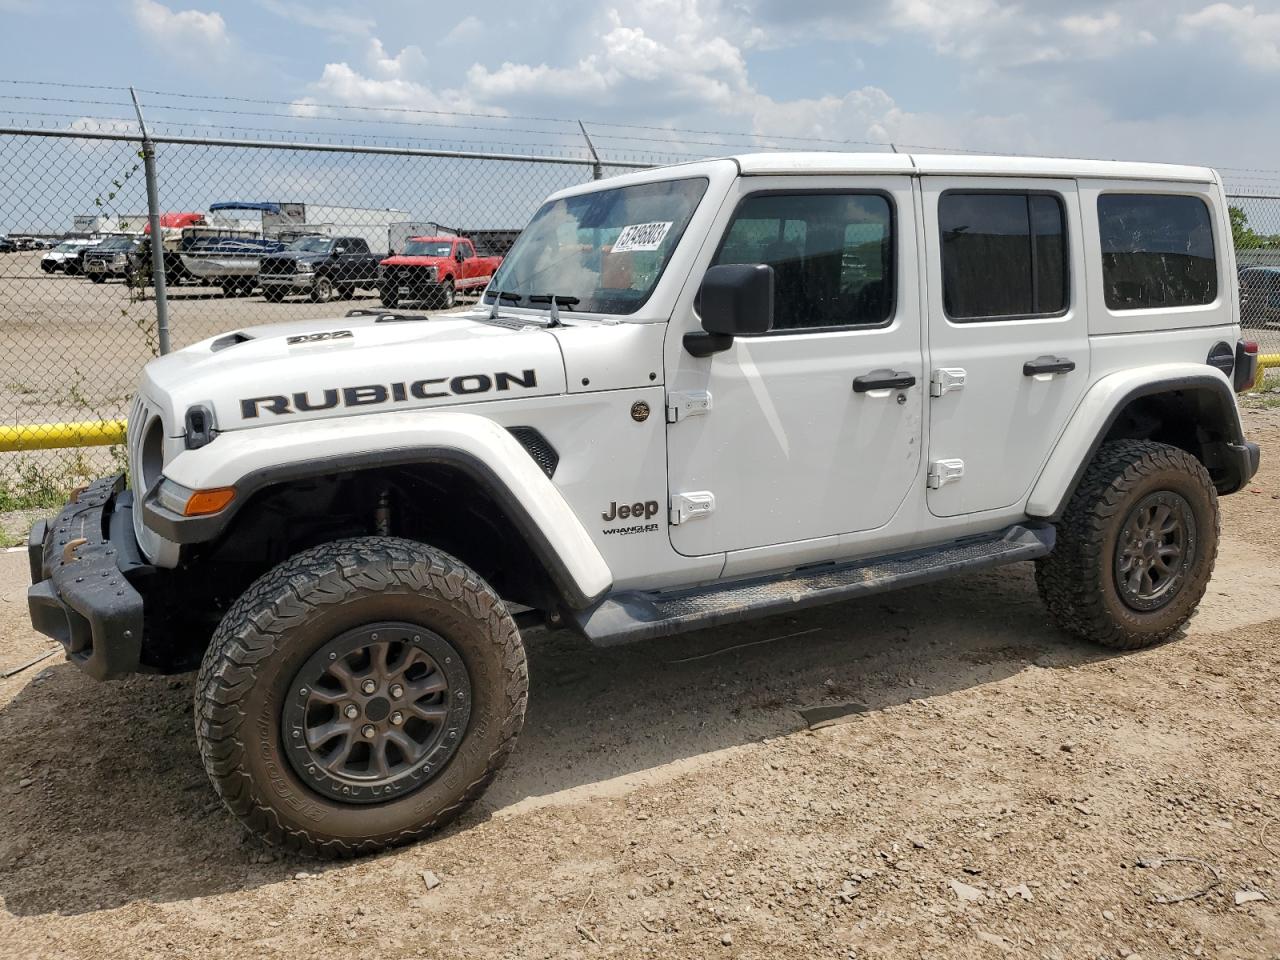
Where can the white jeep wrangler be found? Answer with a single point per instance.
(690, 396)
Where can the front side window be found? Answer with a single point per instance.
(1157, 251)
(600, 252)
(1004, 255)
(832, 256)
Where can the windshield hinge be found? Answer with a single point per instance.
(681, 406)
(942, 472)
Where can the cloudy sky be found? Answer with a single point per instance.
(1181, 80)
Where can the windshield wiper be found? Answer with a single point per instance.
(498, 297)
(555, 300)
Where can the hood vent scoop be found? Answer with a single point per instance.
(382, 316)
(230, 340)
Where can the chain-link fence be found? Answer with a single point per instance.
(80, 309)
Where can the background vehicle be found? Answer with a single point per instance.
(7, 245)
(435, 270)
(1259, 297)
(323, 268)
(114, 257)
(66, 255)
(691, 396)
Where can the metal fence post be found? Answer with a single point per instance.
(158, 279)
(597, 172)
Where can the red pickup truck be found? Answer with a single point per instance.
(434, 270)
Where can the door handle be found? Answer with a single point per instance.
(1042, 365)
(883, 380)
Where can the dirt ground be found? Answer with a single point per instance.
(992, 789)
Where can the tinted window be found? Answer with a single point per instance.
(357, 245)
(1003, 255)
(1157, 251)
(467, 250)
(832, 256)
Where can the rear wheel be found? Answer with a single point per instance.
(359, 696)
(1136, 546)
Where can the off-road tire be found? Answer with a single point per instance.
(293, 610)
(1077, 582)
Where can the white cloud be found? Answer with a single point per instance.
(408, 62)
(181, 30)
(332, 20)
(1255, 35)
(466, 29)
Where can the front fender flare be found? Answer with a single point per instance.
(256, 458)
(1098, 411)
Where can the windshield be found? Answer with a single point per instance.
(605, 250)
(311, 245)
(67, 246)
(428, 248)
(116, 243)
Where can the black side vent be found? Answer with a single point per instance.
(230, 340)
(543, 453)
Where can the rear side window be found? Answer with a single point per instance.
(1157, 251)
(832, 256)
(1004, 255)
(357, 245)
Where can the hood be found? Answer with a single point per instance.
(310, 369)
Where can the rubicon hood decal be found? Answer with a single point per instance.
(372, 394)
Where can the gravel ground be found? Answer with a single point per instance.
(988, 788)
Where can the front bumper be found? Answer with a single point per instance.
(291, 281)
(80, 590)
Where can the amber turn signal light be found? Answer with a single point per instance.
(204, 502)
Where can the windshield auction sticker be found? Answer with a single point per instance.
(641, 236)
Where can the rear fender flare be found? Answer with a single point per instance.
(1098, 411)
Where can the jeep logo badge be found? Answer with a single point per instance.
(639, 411)
(629, 511)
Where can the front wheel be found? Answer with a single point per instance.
(446, 297)
(323, 290)
(1136, 546)
(359, 696)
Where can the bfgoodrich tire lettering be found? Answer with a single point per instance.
(295, 609)
(1079, 581)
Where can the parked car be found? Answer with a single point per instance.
(323, 268)
(7, 245)
(66, 256)
(114, 257)
(693, 396)
(434, 270)
(1259, 296)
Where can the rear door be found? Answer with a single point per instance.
(1008, 334)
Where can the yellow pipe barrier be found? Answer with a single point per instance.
(1266, 361)
(53, 436)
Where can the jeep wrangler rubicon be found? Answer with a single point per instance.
(689, 396)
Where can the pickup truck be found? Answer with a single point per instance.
(324, 268)
(434, 270)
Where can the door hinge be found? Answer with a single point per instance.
(681, 406)
(691, 506)
(946, 379)
(942, 472)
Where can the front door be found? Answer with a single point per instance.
(1008, 335)
(814, 429)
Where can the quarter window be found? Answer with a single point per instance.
(1004, 255)
(1157, 251)
(832, 256)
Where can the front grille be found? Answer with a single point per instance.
(278, 265)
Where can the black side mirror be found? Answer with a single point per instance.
(338, 250)
(734, 300)
(460, 255)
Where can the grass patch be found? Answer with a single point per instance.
(34, 484)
